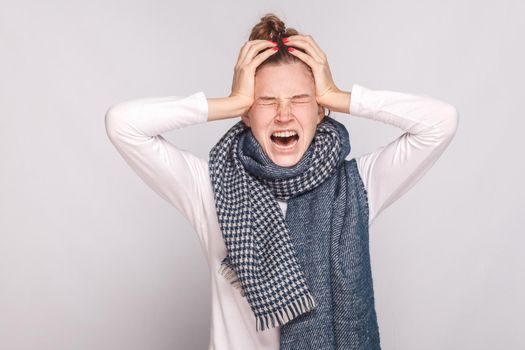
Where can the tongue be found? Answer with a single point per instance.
(284, 141)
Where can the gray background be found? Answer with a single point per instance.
(91, 258)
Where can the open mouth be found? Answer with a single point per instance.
(285, 139)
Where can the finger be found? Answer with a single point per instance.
(306, 46)
(241, 58)
(316, 46)
(261, 57)
(306, 58)
(259, 48)
(242, 53)
(252, 48)
(307, 43)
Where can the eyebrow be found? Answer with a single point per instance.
(271, 98)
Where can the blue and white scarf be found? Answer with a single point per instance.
(261, 259)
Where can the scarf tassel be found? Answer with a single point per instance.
(227, 272)
(280, 317)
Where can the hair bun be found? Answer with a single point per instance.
(271, 27)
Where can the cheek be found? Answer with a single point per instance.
(259, 122)
(308, 117)
(259, 132)
(310, 128)
(307, 113)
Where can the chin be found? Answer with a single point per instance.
(285, 161)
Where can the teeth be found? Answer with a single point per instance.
(286, 133)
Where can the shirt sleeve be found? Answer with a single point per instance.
(391, 170)
(134, 128)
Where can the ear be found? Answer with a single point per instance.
(320, 114)
(246, 118)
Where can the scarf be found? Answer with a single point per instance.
(288, 268)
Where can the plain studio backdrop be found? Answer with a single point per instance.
(91, 258)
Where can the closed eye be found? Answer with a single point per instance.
(264, 102)
(301, 99)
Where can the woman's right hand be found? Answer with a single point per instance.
(251, 55)
(243, 85)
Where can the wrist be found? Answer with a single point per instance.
(342, 102)
(337, 101)
(239, 103)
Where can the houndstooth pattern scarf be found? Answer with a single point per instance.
(261, 261)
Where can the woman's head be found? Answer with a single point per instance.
(284, 99)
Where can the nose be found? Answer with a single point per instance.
(284, 112)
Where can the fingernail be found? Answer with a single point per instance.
(275, 48)
(291, 49)
(285, 40)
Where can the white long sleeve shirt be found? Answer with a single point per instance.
(181, 178)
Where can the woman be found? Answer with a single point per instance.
(282, 216)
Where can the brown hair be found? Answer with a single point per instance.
(273, 28)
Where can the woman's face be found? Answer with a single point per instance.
(285, 113)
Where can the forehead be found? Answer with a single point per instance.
(283, 80)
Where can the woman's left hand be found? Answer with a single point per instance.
(327, 93)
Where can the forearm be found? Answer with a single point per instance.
(135, 121)
(419, 115)
(225, 107)
(339, 102)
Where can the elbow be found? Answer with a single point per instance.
(114, 120)
(110, 122)
(449, 120)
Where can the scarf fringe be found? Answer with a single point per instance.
(281, 317)
(230, 275)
